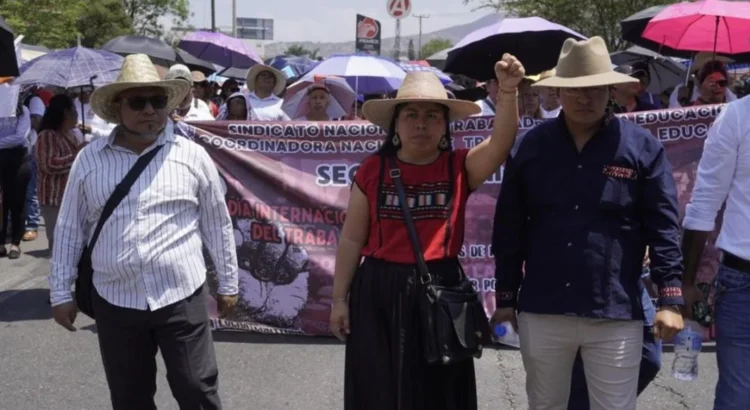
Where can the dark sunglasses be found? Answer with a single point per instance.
(158, 102)
(234, 90)
(722, 83)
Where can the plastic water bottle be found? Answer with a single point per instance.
(687, 347)
(505, 334)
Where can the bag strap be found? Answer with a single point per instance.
(415, 244)
(121, 191)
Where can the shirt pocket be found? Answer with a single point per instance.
(619, 197)
(731, 280)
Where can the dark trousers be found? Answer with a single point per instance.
(15, 172)
(129, 340)
(650, 361)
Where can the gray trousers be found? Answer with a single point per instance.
(49, 213)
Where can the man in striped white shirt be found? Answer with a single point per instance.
(149, 272)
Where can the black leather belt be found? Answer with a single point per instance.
(735, 262)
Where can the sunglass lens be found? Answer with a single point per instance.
(137, 103)
(721, 83)
(159, 102)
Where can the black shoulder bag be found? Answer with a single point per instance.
(85, 279)
(454, 326)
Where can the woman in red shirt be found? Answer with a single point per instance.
(375, 303)
(56, 149)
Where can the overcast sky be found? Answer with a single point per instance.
(332, 20)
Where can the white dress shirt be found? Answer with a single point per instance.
(724, 174)
(149, 253)
(268, 109)
(199, 111)
(99, 127)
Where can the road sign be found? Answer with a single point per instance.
(399, 9)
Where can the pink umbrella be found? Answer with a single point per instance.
(707, 25)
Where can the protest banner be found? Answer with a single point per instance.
(287, 191)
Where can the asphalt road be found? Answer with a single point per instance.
(45, 367)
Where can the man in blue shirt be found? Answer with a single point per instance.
(581, 199)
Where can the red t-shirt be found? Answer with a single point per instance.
(440, 227)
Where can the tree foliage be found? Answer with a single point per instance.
(296, 50)
(594, 18)
(146, 14)
(44, 22)
(412, 55)
(101, 21)
(434, 46)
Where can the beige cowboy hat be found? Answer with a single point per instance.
(418, 87)
(253, 72)
(137, 72)
(584, 63)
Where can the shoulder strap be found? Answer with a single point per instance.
(415, 244)
(121, 191)
(490, 104)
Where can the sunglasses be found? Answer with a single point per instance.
(158, 102)
(234, 90)
(722, 83)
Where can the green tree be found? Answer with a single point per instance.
(412, 55)
(45, 23)
(103, 20)
(595, 18)
(296, 50)
(434, 46)
(145, 15)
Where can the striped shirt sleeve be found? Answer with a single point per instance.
(216, 226)
(70, 236)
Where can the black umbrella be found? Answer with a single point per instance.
(8, 59)
(159, 51)
(664, 72)
(194, 63)
(535, 41)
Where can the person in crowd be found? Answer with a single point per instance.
(580, 199)
(191, 108)
(33, 216)
(724, 178)
(374, 306)
(264, 85)
(236, 108)
(642, 72)
(712, 81)
(203, 91)
(626, 97)
(90, 126)
(685, 94)
(15, 173)
(228, 88)
(56, 149)
(650, 354)
(318, 101)
(549, 97)
(153, 298)
(487, 104)
(528, 96)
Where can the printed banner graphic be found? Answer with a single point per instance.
(287, 191)
(368, 35)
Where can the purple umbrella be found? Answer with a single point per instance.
(72, 67)
(219, 49)
(535, 41)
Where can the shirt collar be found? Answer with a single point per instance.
(609, 124)
(271, 97)
(166, 136)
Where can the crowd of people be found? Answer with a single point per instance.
(590, 336)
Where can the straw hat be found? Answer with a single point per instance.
(137, 72)
(179, 72)
(584, 63)
(198, 77)
(418, 87)
(252, 74)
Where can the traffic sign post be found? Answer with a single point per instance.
(399, 9)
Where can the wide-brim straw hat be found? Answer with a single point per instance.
(253, 72)
(137, 72)
(584, 63)
(418, 87)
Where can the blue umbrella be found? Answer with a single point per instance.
(72, 67)
(366, 74)
(409, 67)
(292, 66)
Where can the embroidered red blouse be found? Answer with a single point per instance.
(439, 219)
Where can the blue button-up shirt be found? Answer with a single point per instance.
(578, 223)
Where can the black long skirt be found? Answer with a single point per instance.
(385, 367)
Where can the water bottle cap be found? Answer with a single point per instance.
(500, 330)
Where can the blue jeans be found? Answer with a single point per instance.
(732, 308)
(33, 216)
(650, 361)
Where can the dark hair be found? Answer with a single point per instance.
(713, 66)
(389, 149)
(54, 116)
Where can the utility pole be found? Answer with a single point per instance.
(420, 17)
(234, 18)
(213, 15)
